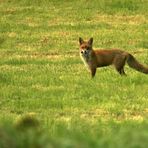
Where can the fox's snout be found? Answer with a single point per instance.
(83, 52)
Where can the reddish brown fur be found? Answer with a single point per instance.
(101, 58)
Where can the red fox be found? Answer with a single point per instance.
(100, 58)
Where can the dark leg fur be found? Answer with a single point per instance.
(121, 72)
(93, 72)
(119, 63)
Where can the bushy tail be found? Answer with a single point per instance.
(133, 63)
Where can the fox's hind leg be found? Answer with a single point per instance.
(119, 64)
(121, 70)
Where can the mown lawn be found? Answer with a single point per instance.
(42, 75)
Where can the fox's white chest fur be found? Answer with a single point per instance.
(86, 58)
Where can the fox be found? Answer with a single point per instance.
(94, 59)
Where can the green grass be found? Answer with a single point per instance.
(41, 72)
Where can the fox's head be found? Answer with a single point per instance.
(85, 47)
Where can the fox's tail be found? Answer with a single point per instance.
(133, 63)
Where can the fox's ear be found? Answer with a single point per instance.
(81, 41)
(90, 42)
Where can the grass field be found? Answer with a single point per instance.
(41, 73)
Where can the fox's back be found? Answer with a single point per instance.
(106, 57)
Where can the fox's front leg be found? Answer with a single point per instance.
(93, 72)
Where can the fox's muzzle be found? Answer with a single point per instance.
(83, 52)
